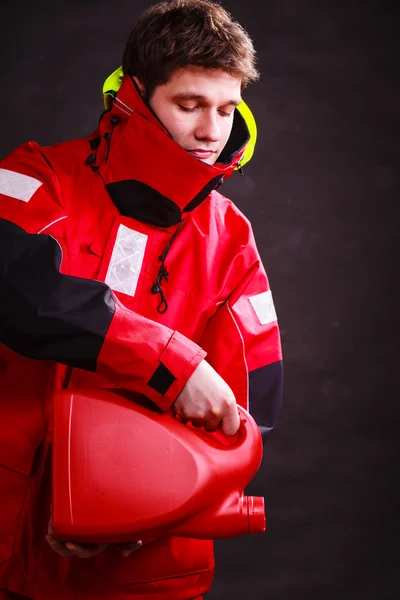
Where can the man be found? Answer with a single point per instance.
(120, 264)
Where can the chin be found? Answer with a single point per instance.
(207, 161)
(210, 161)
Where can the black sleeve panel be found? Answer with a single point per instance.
(43, 313)
(265, 396)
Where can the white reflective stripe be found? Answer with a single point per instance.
(126, 260)
(127, 112)
(123, 110)
(16, 185)
(118, 100)
(52, 223)
(264, 308)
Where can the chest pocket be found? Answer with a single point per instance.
(87, 262)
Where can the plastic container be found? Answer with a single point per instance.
(123, 471)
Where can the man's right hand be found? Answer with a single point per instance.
(207, 400)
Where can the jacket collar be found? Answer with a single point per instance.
(147, 174)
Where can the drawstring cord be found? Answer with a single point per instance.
(163, 274)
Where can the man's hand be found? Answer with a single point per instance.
(207, 400)
(128, 548)
(67, 549)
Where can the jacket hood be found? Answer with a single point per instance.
(147, 174)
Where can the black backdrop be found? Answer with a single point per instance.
(320, 193)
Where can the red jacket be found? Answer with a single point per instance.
(120, 264)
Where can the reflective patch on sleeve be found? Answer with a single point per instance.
(264, 307)
(16, 185)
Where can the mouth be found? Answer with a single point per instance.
(202, 154)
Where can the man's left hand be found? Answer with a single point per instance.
(68, 549)
(127, 549)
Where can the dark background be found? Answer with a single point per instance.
(320, 192)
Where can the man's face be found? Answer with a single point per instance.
(196, 106)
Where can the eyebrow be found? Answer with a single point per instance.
(201, 98)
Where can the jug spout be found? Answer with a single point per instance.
(256, 513)
(237, 515)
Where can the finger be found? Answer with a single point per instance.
(84, 550)
(178, 417)
(231, 421)
(58, 547)
(212, 424)
(197, 422)
(127, 549)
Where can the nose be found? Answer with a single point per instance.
(208, 128)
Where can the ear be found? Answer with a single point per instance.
(140, 85)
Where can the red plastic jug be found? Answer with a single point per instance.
(123, 470)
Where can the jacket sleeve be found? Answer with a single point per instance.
(47, 315)
(243, 345)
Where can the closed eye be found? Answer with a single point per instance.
(186, 109)
(190, 110)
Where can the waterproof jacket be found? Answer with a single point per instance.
(120, 265)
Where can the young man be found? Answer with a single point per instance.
(120, 264)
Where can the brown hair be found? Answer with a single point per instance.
(175, 34)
